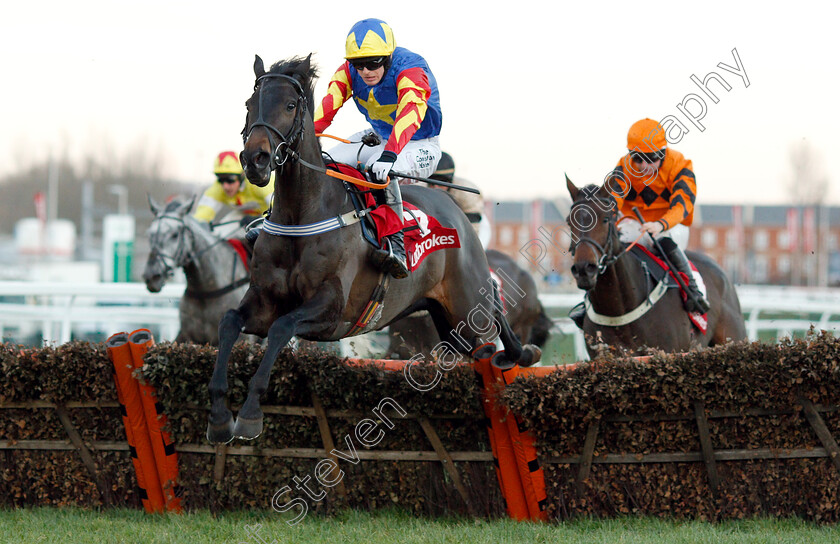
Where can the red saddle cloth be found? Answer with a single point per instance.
(240, 249)
(423, 233)
(700, 320)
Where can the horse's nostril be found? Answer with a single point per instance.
(261, 159)
(584, 269)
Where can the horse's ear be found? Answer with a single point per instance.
(154, 206)
(305, 65)
(573, 190)
(259, 68)
(184, 207)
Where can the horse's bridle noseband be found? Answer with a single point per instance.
(608, 255)
(283, 150)
(181, 256)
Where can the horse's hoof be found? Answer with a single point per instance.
(531, 355)
(484, 351)
(248, 429)
(501, 361)
(220, 434)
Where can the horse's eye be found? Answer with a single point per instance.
(606, 220)
(290, 106)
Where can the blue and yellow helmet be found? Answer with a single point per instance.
(370, 38)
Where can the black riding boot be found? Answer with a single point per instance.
(577, 314)
(392, 259)
(695, 302)
(251, 235)
(396, 263)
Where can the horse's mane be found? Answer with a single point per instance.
(302, 70)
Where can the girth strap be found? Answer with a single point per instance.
(191, 293)
(327, 225)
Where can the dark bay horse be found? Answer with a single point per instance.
(416, 334)
(217, 277)
(317, 285)
(617, 284)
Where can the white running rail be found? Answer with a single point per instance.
(59, 311)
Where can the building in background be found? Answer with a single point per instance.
(771, 245)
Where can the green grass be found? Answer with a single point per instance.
(50, 525)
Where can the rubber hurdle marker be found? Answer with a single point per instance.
(507, 470)
(166, 459)
(137, 434)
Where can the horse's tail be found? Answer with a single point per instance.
(541, 329)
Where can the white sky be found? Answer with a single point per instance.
(529, 89)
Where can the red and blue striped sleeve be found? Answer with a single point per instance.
(413, 91)
(339, 91)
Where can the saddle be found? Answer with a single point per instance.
(657, 268)
(423, 233)
(245, 251)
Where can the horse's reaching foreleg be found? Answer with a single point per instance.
(220, 424)
(314, 316)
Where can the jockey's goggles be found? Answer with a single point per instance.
(228, 179)
(369, 63)
(649, 158)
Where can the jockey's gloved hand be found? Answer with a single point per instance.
(383, 166)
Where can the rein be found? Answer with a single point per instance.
(607, 259)
(286, 149)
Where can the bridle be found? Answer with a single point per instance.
(286, 149)
(608, 254)
(182, 257)
(288, 142)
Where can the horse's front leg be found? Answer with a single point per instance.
(220, 424)
(317, 315)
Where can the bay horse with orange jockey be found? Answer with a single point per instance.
(626, 307)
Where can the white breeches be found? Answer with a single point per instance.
(629, 229)
(418, 158)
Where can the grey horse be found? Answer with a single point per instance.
(217, 277)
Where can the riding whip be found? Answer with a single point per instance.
(437, 182)
(664, 255)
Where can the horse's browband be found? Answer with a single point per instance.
(295, 82)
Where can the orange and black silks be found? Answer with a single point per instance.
(667, 196)
(507, 470)
(137, 434)
(163, 447)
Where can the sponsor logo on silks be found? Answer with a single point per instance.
(438, 238)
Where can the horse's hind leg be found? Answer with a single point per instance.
(515, 352)
(459, 336)
(220, 424)
(312, 317)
